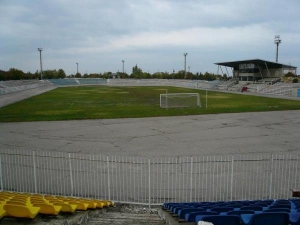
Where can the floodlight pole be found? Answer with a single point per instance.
(123, 65)
(277, 41)
(185, 54)
(77, 68)
(40, 50)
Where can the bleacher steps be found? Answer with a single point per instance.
(118, 218)
(127, 214)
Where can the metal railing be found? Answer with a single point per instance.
(150, 181)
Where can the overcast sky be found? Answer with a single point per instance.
(154, 34)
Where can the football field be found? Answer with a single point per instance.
(103, 102)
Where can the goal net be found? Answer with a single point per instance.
(179, 100)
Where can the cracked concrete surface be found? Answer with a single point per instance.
(264, 132)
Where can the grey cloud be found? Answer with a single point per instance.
(108, 31)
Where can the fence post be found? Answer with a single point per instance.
(271, 178)
(108, 177)
(1, 177)
(71, 175)
(149, 180)
(34, 172)
(231, 182)
(191, 181)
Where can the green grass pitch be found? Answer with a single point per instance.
(102, 102)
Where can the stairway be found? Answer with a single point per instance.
(125, 215)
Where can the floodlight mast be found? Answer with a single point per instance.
(40, 50)
(123, 66)
(277, 41)
(77, 68)
(185, 54)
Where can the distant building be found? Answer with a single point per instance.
(253, 70)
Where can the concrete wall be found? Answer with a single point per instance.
(296, 92)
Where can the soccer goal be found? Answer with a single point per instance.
(179, 100)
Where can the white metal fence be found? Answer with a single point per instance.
(150, 181)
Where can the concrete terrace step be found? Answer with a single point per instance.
(119, 218)
(125, 214)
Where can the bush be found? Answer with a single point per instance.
(295, 80)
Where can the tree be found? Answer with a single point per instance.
(49, 74)
(78, 75)
(15, 74)
(136, 72)
(61, 74)
(2, 74)
(123, 75)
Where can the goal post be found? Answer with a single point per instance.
(180, 100)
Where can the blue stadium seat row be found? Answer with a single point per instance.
(259, 212)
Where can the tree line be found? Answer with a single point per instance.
(137, 73)
(16, 74)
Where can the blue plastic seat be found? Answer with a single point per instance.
(278, 210)
(172, 206)
(191, 217)
(276, 206)
(240, 212)
(269, 202)
(184, 211)
(222, 209)
(294, 218)
(285, 201)
(176, 209)
(246, 203)
(268, 218)
(254, 208)
(167, 205)
(223, 219)
(262, 204)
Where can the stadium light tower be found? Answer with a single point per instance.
(77, 68)
(40, 50)
(185, 54)
(277, 41)
(123, 66)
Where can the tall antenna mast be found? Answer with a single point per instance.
(277, 41)
(40, 50)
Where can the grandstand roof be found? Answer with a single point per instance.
(261, 62)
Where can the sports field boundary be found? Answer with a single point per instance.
(151, 181)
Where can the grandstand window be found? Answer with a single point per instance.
(249, 70)
(243, 78)
(247, 66)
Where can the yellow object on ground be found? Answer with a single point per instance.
(80, 205)
(67, 208)
(2, 211)
(21, 211)
(48, 209)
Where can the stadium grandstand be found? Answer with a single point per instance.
(11, 86)
(256, 75)
(257, 70)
